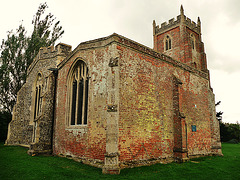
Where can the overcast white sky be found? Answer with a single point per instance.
(85, 20)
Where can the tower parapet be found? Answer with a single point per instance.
(51, 52)
(181, 39)
(172, 23)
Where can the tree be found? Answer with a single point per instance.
(220, 113)
(45, 33)
(19, 50)
(229, 132)
(13, 67)
(5, 119)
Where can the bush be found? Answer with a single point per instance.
(233, 141)
(5, 119)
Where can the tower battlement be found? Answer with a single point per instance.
(181, 19)
(180, 38)
(50, 52)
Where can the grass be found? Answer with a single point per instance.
(16, 164)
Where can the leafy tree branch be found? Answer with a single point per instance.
(19, 50)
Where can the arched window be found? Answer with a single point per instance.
(78, 94)
(168, 43)
(37, 104)
(38, 96)
(192, 40)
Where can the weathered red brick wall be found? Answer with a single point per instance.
(195, 106)
(146, 124)
(144, 128)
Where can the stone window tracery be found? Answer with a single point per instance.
(78, 94)
(168, 43)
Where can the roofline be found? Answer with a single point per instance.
(121, 40)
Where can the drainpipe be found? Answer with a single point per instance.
(55, 73)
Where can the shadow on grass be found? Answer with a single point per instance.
(15, 163)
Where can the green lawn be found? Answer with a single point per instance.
(16, 164)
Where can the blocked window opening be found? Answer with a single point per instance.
(192, 40)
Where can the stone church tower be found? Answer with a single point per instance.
(114, 103)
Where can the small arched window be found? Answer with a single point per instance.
(192, 41)
(168, 43)
(38, 96)
(78, 91)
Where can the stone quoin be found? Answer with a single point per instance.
(114, 103)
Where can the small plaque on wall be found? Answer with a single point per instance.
(194, 128)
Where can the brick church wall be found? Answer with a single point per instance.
(146, 123)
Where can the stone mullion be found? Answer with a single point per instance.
(84, 94)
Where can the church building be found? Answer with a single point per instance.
(114, 103)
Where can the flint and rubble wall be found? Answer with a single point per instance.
(22, 125)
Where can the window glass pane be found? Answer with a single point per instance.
(74, 95)
(79, 95)
(86, 102)
(35, 107)
(38, 106)
(80, 102)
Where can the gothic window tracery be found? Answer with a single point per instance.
(79, 95)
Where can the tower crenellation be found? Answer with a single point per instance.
(165, 26)
(180, 39)
(48, 52)
(61, 50)
(176, 22)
